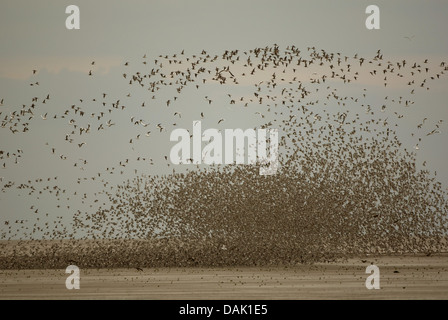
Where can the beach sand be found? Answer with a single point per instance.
(401, 277)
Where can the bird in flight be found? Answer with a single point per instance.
(410, 38)
(433, 132)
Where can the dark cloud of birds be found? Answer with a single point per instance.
(346, 185)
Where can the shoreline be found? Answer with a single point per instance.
(401, 277)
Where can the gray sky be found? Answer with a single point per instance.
(33, 36)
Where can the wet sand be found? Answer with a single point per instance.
(401, 277)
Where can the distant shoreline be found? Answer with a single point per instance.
(163, 253)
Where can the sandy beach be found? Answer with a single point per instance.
(401, 277)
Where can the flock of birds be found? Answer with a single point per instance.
(345, 185)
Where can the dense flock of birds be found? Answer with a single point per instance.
(345, 185)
